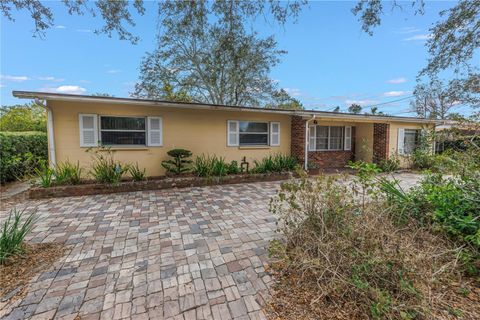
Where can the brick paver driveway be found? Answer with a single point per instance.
(195, 253)
(192, 253)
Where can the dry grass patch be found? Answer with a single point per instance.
(341, 261)
(17, 270)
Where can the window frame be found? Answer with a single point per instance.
(417, 133)
(342, 145)
(256, 144)
(145, 118)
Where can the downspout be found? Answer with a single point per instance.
(307, 140)
(50, 133)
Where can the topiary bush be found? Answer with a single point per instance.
(21, 153)
(179, 164)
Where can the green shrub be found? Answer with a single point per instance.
(390, 164)
(45, 174)
(275, 163)
(233, 167)
(136, 173)
(104, 168)
(21, 153)
(13, 234)
(68, 173)
(208, 166)
(179, 164)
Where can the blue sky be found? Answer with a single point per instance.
(330, 61)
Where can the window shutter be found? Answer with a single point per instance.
(312, 145)
(401, 141)
(274, 133)
(88, 124)
(348, 138)
(154, 132)
(232, 133)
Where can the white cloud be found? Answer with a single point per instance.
(360, 102)
(395, 93)
(14, 78)
(113, 71)
(406, 30)
(294, 92)
(49, 78)
(70, 89)
(418, 37)
(83, 30)
(397, 80)
(60, 27)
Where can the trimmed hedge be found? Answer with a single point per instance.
(21, 153)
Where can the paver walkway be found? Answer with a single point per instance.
(191, 253)
(194, 253)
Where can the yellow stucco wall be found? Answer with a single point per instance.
(200, 131)
(394, 126)
(364, 141)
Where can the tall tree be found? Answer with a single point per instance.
(28, 117)
(433, 101)
(282, 100)
(453, 43)
(355, 108)
(205, 51)
(119, 16)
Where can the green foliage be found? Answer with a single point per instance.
(282, 100)
(45, 174)
(180, 163)
(68, 173)
(104, 167)
(13, 234)
(233, 168)
(448, 204)
(21, 153)
(390, 164)
(274, 163)
(364, 183)
(29, 117)
(136, 173)
(208, 166)
(355, 108)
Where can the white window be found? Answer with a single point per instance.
(155, 136)
(274, 133)
(253, 133)
(123, 131)
(324, 138)
(411, 138)
(88, 130)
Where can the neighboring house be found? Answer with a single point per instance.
(142, 131)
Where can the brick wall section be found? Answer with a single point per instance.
(298, 139)
(381, 141)
(320, 159)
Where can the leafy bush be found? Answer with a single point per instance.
(179, 164)
(21, 153)
(390, 164)
(46, 175)
(13, 234)
(331, 255)
(275, 163)
(23, 118)
(136, 173)
(68, 173)
(208, 166)
(104, 168)
(233, 168)
(364, 183)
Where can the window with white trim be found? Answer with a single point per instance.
(116, 130)
(410, 140)
(252, 133)
(323, 138)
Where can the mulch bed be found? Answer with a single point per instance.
(16, 273)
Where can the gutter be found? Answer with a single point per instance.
(50, 134)
(307, 140)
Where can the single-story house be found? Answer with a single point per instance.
(142, 131)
